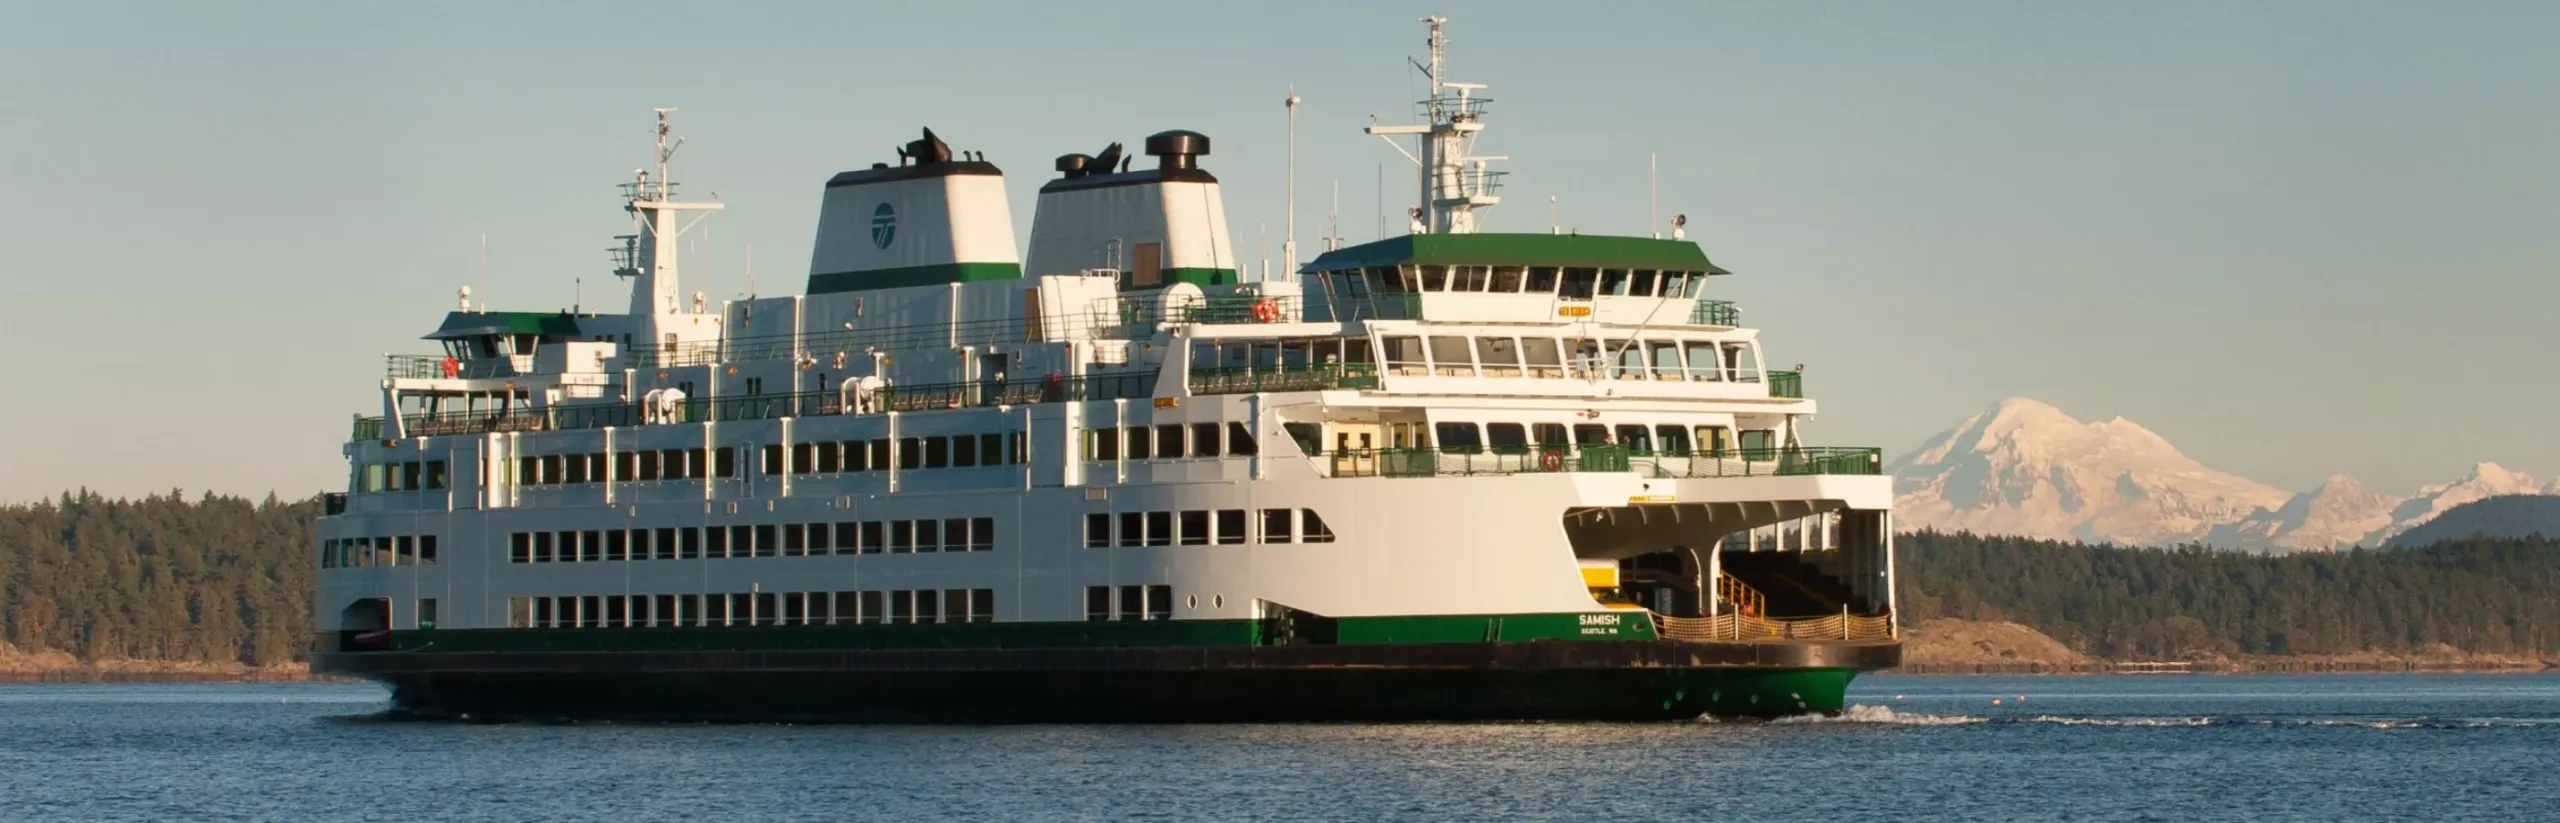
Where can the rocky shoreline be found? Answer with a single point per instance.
(1963, 647)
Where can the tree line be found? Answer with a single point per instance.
(2479, 594)
(215, 579)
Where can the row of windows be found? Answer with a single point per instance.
(1169, 441)
(1569, 281)
(1105, 603)
(937, 452)
(361, 552)
(891, 607)
(662, 464)
(1519, 438)
(955, 534)
(1460, 356)
(403, 476)
(1202, 527)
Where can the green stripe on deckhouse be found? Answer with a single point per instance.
(1029, 635)
(904, 276)
(1597, 251)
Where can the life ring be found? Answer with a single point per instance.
(452, 368)
(1551, 461)
(1265, 311)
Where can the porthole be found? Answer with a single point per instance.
(1192, 602)
(1218, 601)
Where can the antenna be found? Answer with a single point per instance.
(1333, 219)
(1289, 240)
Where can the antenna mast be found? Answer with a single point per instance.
(1454, 183)
(1289, 241)
(650, 259)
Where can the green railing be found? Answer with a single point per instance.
(901, 398)
(1855, 460)
(1786, 384)
(1502, 460)
(1309, 378)
(426, 366)
(1239, 309)
(825, 345)
(1715, 313)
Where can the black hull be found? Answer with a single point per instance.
(1594, 681)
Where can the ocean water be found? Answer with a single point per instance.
(2166, 748)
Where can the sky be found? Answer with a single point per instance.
(2294, 238)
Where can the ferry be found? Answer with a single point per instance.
(1445, 475)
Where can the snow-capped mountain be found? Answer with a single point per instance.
(2023, 467)
(2341, 512)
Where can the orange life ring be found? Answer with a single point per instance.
(1265, 311)
(1551, 461)
(452, 367)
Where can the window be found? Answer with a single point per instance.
(1132, 602)
(617, 545)
(648, 466)
(1452, 357)
(1644, 283)
(937, 452)
(856, 456)
(765, 544)
(1102, 444)
(964, 451)
(848, 538)
(692, 543)
(1097, 530)
(1459, 438)
(1666, 360)
(1636, 438)
(673, 465)
(1703, 362)
(902, 537)
(1627, 361)
(1404, 356)
(1195, 528)
(773, 459)
(928, 535)
(626, 465)
(879, 455)
(848, 608)
(1315, 530)
(991, 449)
(818, 611)
(1500, 356)
(1506, 279)
(435, 476)
(1133, 529)
(1240, 441)
(1741, 363)
(666, 544)
(873, 611)
(830, 458)
(1578, 283)
(663, 612)
(982, 605)
(519, 613)
(1275, 525)
(1138, 441)
(1020, 447)
(1169, 441)
(715, 542)
(1159, 528)
(795, 608)
(1542, 280)
(910, 453)
(1469, 278)
(765, 611)
(1542, 357)
(928, 606)
(412, 475)
(1159, 602)
(1231, 529)
(1435, 278)
(955, 534)
(591, 547)
(1674, 439)
(1759, 441)
(795, 539)
(1097, 603)
(982, 534)
(873, 542)
(591, 611)
(1613, 282)
(542, 547)
(1507, 438)
(617, 611)
(542, 616)
(1204, 439)
(519, 547)
(902, 607)
(1590, 434)
(725, 461)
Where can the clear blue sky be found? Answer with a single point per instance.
(2295, 238)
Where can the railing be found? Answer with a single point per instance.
(1744, 628)
(1765, 462)
(1715, 313)
(1786, 384)
(829, 343)
(1241, 308)
(1746, 600)
(898, 398)
(333, 503)
(1309, 378)
(429, 366)
(1471, 461)
(1377, 306)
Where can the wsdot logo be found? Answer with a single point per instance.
(884, 225)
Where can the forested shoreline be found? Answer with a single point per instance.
(2488, 595)
(224, 581)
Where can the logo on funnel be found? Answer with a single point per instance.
(884, 225)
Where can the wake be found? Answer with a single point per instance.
(1867, 715)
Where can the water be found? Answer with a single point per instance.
(2322, 748)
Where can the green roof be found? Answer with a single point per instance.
(474, 323)
(1597, 251)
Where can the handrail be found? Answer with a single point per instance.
(430, 366)
(1803, 460)
(1304, 378)
(897, 398)
(1788, 384)
(830, 343)
(1241, 309)
(1729, 628)
(1746, 600)
(1715, 313)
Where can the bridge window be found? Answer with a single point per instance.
(1644, 283)
(1675, 440)
(1169, 441)
(1506, 279)
(1704, 364)
(1231, 531)
(1635, 438)
(1470, 278)
(1578, 283)
(1461, 438)
(1499, 355)
(1542, 280)
(1453, 357)
(1404, 356)
(1435, 278)
(1613, 282)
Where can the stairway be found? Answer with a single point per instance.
(1792, 586)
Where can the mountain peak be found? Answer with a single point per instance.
(2338, 484)
(2023, 466)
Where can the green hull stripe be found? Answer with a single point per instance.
(1504, 628)
(936, 274)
